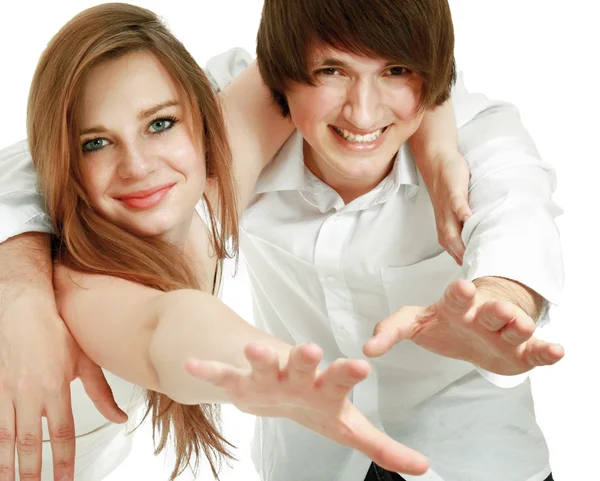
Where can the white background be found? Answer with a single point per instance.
(541, 55)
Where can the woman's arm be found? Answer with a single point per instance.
(255, 127)
(145, 336)
(149, 337)
(446, 174)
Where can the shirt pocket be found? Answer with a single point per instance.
(419, 284)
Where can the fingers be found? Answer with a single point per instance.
(361, 435)
(458, 298)
(29, 443)
(341, 377)
(519, 330)
(217, 373)
(541, 353)
(98, 390)
(514, 325)
(303, 363)
(450, 239)
(264, 362)
(62, 436)
(494, 315)
(516, 329)
(7, 439)
(401, 325)
(450, 227)
(460, 207)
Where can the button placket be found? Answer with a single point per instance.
(329, 251)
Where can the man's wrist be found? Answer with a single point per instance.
(26, 266)
(512, 291)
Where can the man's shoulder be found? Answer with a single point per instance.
(224, 67)
(16, 149)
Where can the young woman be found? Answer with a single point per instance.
(144, 177)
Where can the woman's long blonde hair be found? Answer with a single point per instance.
(86, 241)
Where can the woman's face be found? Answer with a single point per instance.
(142, 168)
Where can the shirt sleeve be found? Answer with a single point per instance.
(512, 232)
(21, 207)
(223, 68)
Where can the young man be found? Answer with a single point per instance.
(341, 235)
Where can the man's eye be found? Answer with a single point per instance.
(94, 145)
(329, 71)
(394, 71)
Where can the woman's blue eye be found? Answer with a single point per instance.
(94, 145)
(160, 125)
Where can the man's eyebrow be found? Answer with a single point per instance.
(329, 61)
(157, 108)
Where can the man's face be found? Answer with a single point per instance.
(355, 119)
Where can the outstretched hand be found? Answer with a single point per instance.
(315, 400)
(468, 325)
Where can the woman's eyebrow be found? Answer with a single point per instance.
(158, 107)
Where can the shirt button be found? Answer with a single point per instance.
(330, 279)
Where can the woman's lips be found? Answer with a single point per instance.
(145, 199)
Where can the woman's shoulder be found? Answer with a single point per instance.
(210, 227)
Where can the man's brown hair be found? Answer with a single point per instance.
(416, 34)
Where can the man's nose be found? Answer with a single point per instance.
(363, 104)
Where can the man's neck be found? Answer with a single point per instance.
(348, 189)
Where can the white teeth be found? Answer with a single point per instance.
(358, 137)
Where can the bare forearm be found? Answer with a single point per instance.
(26, 267)
(514, 292)
(196, 324)
(436, 139)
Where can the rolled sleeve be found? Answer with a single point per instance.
(512, 232)
(21, 207)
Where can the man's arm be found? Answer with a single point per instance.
(514, 292)
(38, 360)
(21, 207)
(512, 235)
(513, 255)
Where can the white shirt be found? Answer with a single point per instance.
(327, 273)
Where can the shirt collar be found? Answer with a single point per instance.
(288, 172)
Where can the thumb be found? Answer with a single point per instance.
(460, 206)
(98, 390)
(398, 327)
